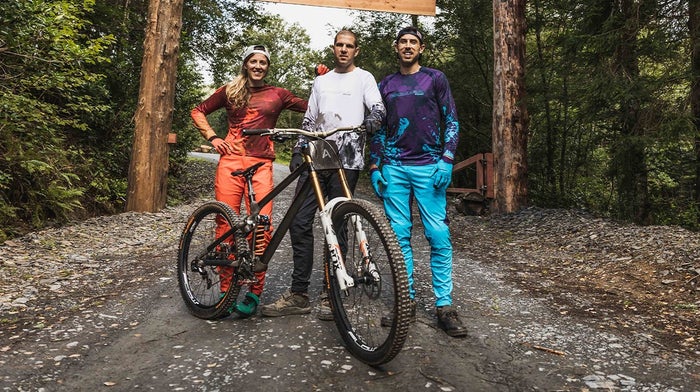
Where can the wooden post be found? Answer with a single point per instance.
(410, 7)
(509, 109)
(148, 170)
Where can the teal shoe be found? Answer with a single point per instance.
(248, 306)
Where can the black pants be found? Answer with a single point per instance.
(301, 230)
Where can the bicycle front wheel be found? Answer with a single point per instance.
(208, 289)
(373, 258)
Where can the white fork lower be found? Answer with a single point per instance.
(337, 262)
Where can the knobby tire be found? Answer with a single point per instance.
(200, 289)
(358, 311)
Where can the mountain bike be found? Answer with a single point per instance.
(365, 273)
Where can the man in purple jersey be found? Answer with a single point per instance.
(411, 159)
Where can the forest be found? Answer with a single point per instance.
(612, 97)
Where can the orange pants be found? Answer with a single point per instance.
(232, 191)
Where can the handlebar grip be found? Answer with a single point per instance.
(250, 132)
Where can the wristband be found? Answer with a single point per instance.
(212, 138)
(372, 170)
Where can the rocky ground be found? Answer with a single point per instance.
(641, 279)
(623, 275)
(640, 282)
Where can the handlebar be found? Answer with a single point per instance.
(295, 131)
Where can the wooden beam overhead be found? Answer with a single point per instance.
(410, 7)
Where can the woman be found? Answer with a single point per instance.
(249, 103)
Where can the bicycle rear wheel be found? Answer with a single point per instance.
(199, 280)
(381, 283)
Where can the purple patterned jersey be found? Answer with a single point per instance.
(421, 124)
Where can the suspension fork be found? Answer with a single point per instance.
(325, 212)
(360, 235)
(336, 255)
(368, 264)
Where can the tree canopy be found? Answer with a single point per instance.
(612, 96)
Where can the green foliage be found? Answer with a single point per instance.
(608, 92)
(46, 95)
(69, 82)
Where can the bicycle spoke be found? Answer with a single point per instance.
(373, 259)
(199, 277)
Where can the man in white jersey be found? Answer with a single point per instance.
(340, 98)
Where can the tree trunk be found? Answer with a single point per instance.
(509, 109)
(694, 27)
(148, 170)
(550, 136)
(629, 160)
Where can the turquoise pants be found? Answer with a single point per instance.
(409, 183)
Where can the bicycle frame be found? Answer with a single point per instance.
(366, 276)
(319, 155)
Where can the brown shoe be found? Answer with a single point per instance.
(449, 321)
(289, 303)
(324, 308)
(388, 319)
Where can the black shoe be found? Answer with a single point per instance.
(388, 319)
(449, 321)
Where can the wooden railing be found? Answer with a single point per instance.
(484, 175)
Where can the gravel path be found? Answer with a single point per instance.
(95, 305)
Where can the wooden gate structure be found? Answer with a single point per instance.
(474, 201)
(146, 189)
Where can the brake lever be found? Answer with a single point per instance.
(280, 138)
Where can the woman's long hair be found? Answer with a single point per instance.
(237, 90)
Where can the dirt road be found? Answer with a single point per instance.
(123, 326)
